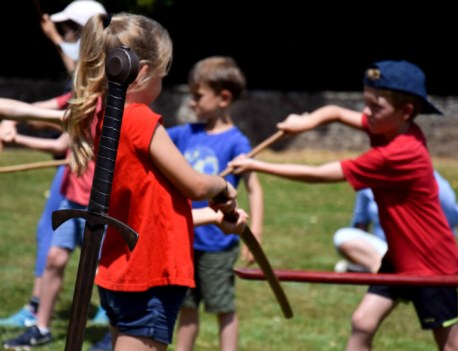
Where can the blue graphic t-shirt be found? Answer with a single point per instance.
(210, 154)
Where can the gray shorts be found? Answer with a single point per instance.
(215, 281)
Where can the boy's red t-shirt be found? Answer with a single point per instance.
(144, 199)
(400, 174)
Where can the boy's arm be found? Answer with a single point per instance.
(328, 172)
(256, 206)
(308, 121)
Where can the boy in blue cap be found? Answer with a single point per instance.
(399, 171)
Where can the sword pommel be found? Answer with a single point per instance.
(122, 65)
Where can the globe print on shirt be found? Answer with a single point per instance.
(203, 159)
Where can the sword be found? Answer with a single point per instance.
(260, 257)
(252, 243)
(121, 68)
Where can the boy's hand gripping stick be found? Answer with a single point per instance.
(121, 68)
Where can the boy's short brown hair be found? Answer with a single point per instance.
(399, 99)
(219, 73)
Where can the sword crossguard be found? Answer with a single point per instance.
(96, 219)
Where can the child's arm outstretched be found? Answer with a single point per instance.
(23, 111)
(295, 123)
(328, 172)
(57, 147)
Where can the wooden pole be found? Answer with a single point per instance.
(352, 278)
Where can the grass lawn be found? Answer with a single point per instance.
(300, 220)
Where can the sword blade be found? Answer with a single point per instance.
(83, 290)
(252, 243)
(258, 253)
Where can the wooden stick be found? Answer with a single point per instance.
(33, 165)
(252, 243)
(352, 278)
(261, 146)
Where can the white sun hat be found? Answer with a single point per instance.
(79, 11)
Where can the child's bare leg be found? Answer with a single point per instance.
(446, 338)
(366, 320)
(126, 342)
(51, 284)
(228, 331)
(188, 329)
(360, 251)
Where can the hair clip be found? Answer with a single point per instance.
(107, 20)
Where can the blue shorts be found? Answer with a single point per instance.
(44, 227)
(70, 233)
(147, 314)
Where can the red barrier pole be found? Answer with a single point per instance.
(351, 278)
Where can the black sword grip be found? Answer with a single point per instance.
(121, 69)
(231, 217)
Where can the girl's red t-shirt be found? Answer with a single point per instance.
(144, 199)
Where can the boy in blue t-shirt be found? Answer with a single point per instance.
(215, 83)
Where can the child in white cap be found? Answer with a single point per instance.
(64, 28)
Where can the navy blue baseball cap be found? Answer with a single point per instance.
(401, 76)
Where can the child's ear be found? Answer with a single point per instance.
(226, 97)
(144, 70)
(409, 111)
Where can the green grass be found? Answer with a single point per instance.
(300, 220)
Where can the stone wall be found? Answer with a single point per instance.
(257, 113)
